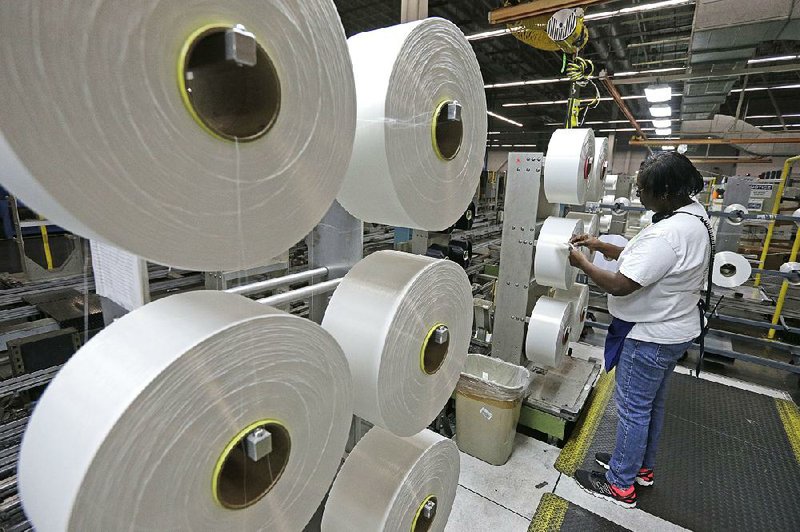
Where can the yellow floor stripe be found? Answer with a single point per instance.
(574, 452)
(550, 514)
(790, 417)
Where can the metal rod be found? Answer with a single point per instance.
(301, 293)
(277, 282)
(612, 90)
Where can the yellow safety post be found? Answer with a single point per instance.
(787, 166)
(784, 287)
(46, 243)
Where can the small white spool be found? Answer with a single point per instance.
(551, 263)
(739, 212)
(549, 332)
(730, 269)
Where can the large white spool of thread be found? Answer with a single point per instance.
(605, 223)
(579, 296)
(387, 481)
(610, 186)
(140, 426)
(385, 315)
(551, 263)
(597, 182)
(730, 269)
(568, 166)
(549, 332)
(99, 132)
(410, 167)
(591, 226)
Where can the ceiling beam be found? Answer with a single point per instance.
(508, 14)
(612, 90)
(738, 141)
(728, 160)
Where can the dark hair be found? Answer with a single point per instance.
(669, 173)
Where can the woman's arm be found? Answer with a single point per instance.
(613, 283)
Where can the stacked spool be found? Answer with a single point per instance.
(550, 322)
(200, 159)
(404, 322)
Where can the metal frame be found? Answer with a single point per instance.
(523, 182)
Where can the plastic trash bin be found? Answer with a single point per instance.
(489, 396)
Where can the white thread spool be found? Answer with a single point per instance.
(568, 166)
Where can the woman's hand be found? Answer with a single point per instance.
(577, 258)
(587, 241)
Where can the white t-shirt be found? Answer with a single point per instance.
(669, 259)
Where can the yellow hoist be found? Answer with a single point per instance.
(566, 32)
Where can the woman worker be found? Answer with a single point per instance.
(653, 298)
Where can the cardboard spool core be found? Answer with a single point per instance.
(229, 100)
(240, 482)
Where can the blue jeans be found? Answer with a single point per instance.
(642, 376)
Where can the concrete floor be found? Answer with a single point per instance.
(504, 498)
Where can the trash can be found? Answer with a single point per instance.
(489, 396)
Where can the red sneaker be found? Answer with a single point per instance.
(595, 483)
(644, 477)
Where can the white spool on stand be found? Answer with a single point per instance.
(549, 332)
(148, 423)
(404, 321)
(394, 483)
(551, 263)
(421, 134)
(129, 124)
(568, 166)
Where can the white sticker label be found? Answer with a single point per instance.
(485, 376)
(486, 413)
(760, 191)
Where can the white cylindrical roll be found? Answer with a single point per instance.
(150, 414)
(549, 332)
(570, 155)
(605, 223)
(579, 296)
(123, 125)
(738, 212)
(792, 268)
(620, 205)
(591, 225)
(730, 269)
(404, 322)
(394, 483)
(608, 199)
(610, 186)
(551, 263)
(796, 214)
(597, 182)
(412, 166)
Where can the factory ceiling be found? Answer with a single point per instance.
(642, 41)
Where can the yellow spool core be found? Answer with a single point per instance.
(238, 481)
(446, 135)
(433, 353)
(422, 523)
(228, 100)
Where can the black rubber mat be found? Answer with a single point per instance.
(728, 459)
(555, 514)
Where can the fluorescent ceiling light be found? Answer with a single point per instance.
(637, 9)
(664, 122)
(771, 59)
(660, 111)
(493, 133)
(524, 83)
(667, 148)
(663, 132)
(658, 93)
(503, 118)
